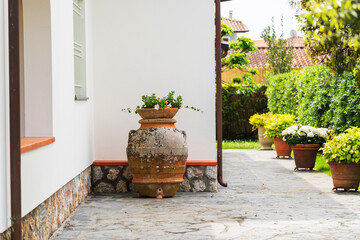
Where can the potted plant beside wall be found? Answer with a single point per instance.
(157, 151)
(258, 122)
(343, 155)
(305, 142)
(274, 126)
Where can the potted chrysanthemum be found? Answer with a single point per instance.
(305, 142)
(274, 127)
(258, 122)
(343, 155)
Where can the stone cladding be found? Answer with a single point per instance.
(46, 218)
(117, 179)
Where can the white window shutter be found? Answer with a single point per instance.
(79, 49)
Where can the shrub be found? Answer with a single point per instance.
(344, 148)
(314, 87)
(277, 124)
(259, 120)
(241, 99)
(282, 92)
(317, 97)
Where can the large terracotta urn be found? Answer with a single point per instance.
(266, 143)
(157, 153)
(345, 175)
(305, 155)
(282, 148)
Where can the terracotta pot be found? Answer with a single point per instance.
(305, 155)
(282, 148)
(157, 154)
(152, 113)
(266, 143)
(345, 175)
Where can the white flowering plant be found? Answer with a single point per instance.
(298, 134)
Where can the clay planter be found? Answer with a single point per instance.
(305, 155)
(266, 143)
(152, 113)
(282, 148)
(345, 175)
(157, 154)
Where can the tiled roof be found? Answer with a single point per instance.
(301, 57)
(236, 25)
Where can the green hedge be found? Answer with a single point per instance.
(239, 103)
(317, 97)
(282, 93)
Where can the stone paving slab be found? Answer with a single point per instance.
(265, 199)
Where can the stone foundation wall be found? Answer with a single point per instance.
(46, 218)
(117, 179)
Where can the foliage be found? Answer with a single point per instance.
(332, 29)
(277, 124)
(259, 120)
(152, 101)
(169, 101)
(282, 92)
(225, 30)
(239, 56)
(241, 145)
(241, 99)
(280, 54)
(299, 134)
(317, 97)
(344, 148)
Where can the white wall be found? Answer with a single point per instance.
(4, 151)
(175, 51)
(38, 120)
(47, 169)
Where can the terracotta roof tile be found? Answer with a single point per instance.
(301, 57)
(236, 25)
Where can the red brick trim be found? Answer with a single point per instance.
(125, 163)
(31, 143)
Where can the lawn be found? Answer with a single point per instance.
(241, 145)
(322, 166)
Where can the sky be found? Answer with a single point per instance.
(257, 14)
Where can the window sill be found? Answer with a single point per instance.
(81, 98)
(31, 143)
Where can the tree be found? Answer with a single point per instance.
(332, 30)
(239, 56)
(280, 54)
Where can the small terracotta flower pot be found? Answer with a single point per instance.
(305, 155)
(282, 148)
(266, 143)
(345, 175)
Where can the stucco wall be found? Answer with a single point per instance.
(47, 169)
(4, 158)
(141, 47)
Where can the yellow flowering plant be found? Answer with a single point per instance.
(277, 123)
(259, 120)
(344, 148)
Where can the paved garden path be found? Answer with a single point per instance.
(265, 199)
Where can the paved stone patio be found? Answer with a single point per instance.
(265, 199)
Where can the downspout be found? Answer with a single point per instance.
(218, 92)
(14, 88)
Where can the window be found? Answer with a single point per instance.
(79, 50)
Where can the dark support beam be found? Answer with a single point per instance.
(218, 92)
(14, 88)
